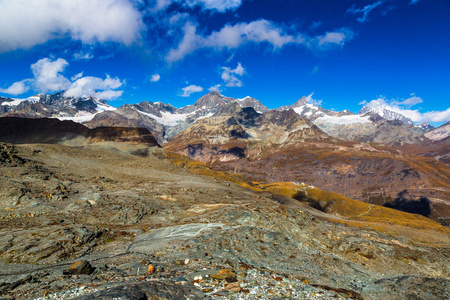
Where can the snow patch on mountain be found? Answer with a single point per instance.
(439, 133)
(17, 101)
(167, 118)
(384, 110)
(307, 110)
(343, 120)
(83, 116)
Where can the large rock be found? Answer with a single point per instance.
(162, 290)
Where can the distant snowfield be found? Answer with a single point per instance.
(17, 101)
(167, 118)
(343, 120)
(84, 116)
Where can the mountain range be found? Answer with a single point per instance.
(374, 123)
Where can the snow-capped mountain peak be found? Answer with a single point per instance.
(381, 108)
(78, 109)
(252, 102)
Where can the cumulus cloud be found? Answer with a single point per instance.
(403, 107)
(364, 102)
(411, 101)
(17, 88)
(155, 78)
(311, 100)
(216, 88)
(365, 11)
(187, 91)
(95, 87)
(76, 76)
(48, 77)
(229, 76)
(260, 31)
(26, 23)
(83, 56)
(218, 5)
(333, 38)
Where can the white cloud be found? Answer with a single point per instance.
(365, 11)
(95, 87)
(436, 116)
(411, 101)
(75, 77)
(219, 5)
(155, 78)
(230, 37)
(83, 56)
(364, 102)
(229, 75)
(26, 23)
(187, 91)
(311, 100)
(260, 31)
(215, 88)
(17, 88)
(333, 38)
(47, 77)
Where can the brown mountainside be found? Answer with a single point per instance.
(282, 146)
(54, 131)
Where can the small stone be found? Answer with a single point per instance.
(224, 274)
(151, 269)
(233, 287)
(186, 261)
(80, 267)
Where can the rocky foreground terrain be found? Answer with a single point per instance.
(115, 220)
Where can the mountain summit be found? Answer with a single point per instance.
(380, 108)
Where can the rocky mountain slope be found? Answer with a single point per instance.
(440, 133)
(371, 128)
(373, 124)
(164, 120)
(236, 133)
(52, 131)
(54, 106)
(436, 144)
(98, 222)
(282, 146)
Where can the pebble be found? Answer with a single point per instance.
(69, 294)
(151, 269)
(255, 284)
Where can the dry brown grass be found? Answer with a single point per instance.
(351, 212)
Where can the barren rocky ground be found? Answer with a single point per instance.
(152, 226)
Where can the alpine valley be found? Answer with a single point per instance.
(221, 199)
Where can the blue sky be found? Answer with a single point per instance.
(345, 52)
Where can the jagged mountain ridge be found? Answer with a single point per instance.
(373, 124)
(235, 132)
(380, 108)
(165, 121)
(78, 109)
